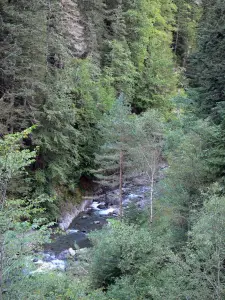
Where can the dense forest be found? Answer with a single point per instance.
(95, 94)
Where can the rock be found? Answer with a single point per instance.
(107, 212)
(84, 217)
(72, 252)
(63, 255)
(89, 211)
(71, 231)
(140, 181)
(35, 260)
(81, 251)
(101, 206)
(95, 205)
(133, 196)
(55, 264)
(48, 258)
(96, 222)
(112, 199)
(69, 212)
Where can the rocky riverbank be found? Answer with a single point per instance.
(92, 215)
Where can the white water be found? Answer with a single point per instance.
(132, 194)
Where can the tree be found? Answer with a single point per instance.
(120, 68)
(207, 245)
(115, 129)
(197, 272)
(18, 217)
(126, 262)
(206, 67)
(146, 153)
(195, 145)
(91, 95)
(149, 36)
(12, 162)
(23, 63)
(187, 18)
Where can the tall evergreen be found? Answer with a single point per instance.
(113, 159)
(23, 63)
(36, 84)
(149, 30)
(184, 38)
(207, 69)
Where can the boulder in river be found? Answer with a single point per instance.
(102, 206)
(63, 255)
(72, 252)
(112, 199)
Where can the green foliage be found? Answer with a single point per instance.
(48, 286)
(13, 160)
(146, 152)
(91, 95)
(115, 129)
(127, 54)
(198, 272)
(125, 50)
(16, 236)
(121, 69)
(149, 27)
(191, 144)
(134, 215)
(126, 252)
(206, 68)
(56, 135)
(147, 149)
(187, 18)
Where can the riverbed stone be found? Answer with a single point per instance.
(63, 255)
(72, 252)
(112, 199)
(102, 206)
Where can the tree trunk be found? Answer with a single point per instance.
(1, 269)
(151, 197)
(121, 185)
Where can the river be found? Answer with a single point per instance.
(94, 217)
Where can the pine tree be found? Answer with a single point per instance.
(36, 83)
(120, 69)
(187, 18)
(149, 26)
(23, 63)
(207, 68)
(113, 159)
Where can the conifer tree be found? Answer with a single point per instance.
(149, 26)
(186, 18)
(207, 67)
(113, 159)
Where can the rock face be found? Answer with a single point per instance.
(70, 212)
(74, 29)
